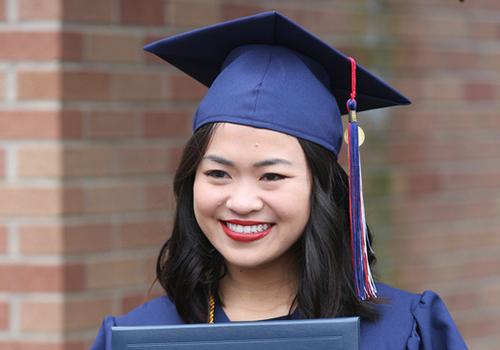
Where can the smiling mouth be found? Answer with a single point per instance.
(246, 233)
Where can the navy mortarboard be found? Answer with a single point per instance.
(266, 71)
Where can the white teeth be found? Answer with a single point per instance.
(248, 228)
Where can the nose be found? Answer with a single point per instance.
(244, 199)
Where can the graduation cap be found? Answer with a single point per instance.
(266, 71)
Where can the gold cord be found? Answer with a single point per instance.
(211, 308)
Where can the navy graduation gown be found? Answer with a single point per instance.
(407, 321)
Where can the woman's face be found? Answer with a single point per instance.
(251, 194)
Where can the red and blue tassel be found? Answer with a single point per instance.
(363, 279)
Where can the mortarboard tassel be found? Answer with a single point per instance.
(363, 279)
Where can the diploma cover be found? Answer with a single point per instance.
(318, 334)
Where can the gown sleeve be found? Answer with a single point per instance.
(103, 339)
(434, 329)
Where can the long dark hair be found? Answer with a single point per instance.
(189, 267)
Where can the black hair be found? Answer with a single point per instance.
(189, 267)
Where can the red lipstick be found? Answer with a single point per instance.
(244, 237)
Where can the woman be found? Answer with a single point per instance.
(268, 225)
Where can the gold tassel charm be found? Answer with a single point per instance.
(361, 133)
(211, 309)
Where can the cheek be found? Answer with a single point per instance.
(293, 202)
(206, 200)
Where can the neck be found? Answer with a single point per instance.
(259, 293)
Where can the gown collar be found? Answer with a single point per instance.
(221, 317)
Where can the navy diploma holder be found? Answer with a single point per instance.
(327, 333)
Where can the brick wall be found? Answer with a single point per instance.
(90, 135)
(446, 159)
(91, 129)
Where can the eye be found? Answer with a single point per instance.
(217, 174)
(272, 177)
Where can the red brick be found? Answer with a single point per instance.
(4, 315)
(40, 162)
(232, 11)
(482, 4)
(88, 161)
(77, 345)
(479, 91)
(479, 322)
(84, 314)
(16, 124)
(112, 124)
(483, 30)
(415, 211)
(158, 197)
(3, 240)
(114, 198)
(481, 343)
(442, 121)
(424, 58)
(69, 239)
(39, 9)
(432, 272)
(489, 294)
(113, 48)
(41, 278)
(85, 85)
(483, 179)
(71, 46)
(462, 300)
(423, 183)
(175, 158)
(2, 10)
(413, 152)
(429, 28)
(39, 85)
(435, 241)
(144, 234)
(150, 267)
(447, 88)
(40, 316)
(2, 163)
(73, 200)
(324, 22)
(40, 45)
(186, 88)
(70, 124)
(167, 124)
(116, 273)
(142, 160)
(193, 13)
(146, 12)
(139, 86)
(41, 345)
(2, 85)
(19, 201)
(90, 11)
(410, 87)
(490, 61)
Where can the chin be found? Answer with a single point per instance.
(254, 261)
(245, 261)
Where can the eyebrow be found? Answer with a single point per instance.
(262, 163)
